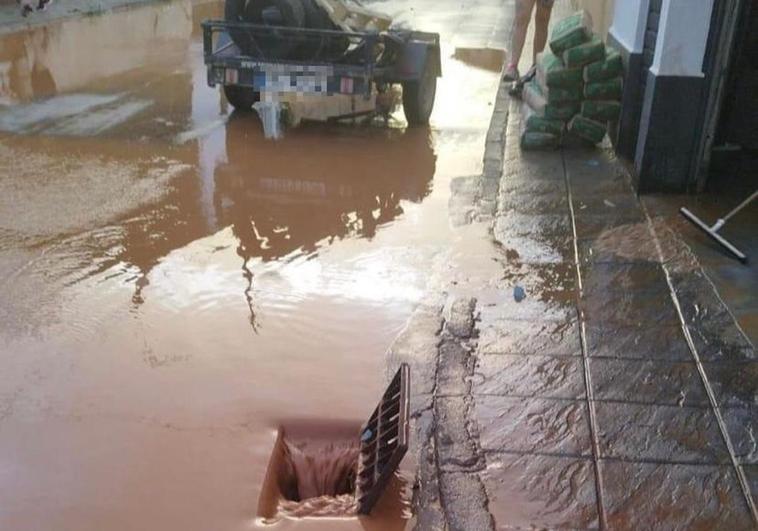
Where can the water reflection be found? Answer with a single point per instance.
(318, 185)
(490, 59)
(70, 54)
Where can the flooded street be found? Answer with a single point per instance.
(174, 289)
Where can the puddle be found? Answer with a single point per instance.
(629, 242)
(43, 62)
(308, 191)
(736, 283)
(490, 59)
(24, 118)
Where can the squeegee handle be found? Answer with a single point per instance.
(742, 205)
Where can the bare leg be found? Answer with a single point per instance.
(520, 25)
(541, 21)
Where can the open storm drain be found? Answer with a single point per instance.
(333, 469)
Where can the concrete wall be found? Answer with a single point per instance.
(680, 47)
(630, 36)
(673, 97)
(601, 11)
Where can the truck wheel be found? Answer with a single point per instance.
(316, 48)
(241, 98)
(316, 17)
(418, 96)
(289, 13)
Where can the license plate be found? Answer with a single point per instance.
(347, 85)
(291, 78)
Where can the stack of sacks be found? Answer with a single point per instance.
(576, 89)
(551, 99)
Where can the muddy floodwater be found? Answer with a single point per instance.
(174, 289)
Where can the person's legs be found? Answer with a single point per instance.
(518, 36)
(541, 21)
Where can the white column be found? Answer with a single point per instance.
(629, 21)
(682, 38)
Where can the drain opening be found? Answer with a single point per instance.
(310, 472)
(338, 470)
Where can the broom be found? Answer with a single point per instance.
(713, 231)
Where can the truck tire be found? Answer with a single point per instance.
(317, 48)
(418, 96)
(291, 12)
(241, 98)
(316, 17)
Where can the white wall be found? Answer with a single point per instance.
(629, 21)
(682, 38)
(601, 12)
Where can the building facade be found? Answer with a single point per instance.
(686, 62)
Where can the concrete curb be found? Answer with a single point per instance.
(494, 150)
(474, 198)
(460, 458)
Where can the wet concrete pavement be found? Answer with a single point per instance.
(620, 393)
(736, 283)
(173, 291)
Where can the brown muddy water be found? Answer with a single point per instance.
(174, 290)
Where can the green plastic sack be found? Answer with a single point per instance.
(555, 95)
(604, 90)
(562, 111)
(584, 54)
(587, 129)
(552, 73)
(612, 66)
(536, 124)
(570, 32)
(601, 110)
(536, 100)
(531, 123)
(540, 141)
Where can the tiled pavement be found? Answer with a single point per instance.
(593, 409)
(588, 404)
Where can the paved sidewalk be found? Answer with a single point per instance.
(618, 394)
(618, 404)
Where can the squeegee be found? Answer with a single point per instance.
(713, 231)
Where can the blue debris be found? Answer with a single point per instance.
(366, 436)
(519, 294)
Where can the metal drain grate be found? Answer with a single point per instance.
(384, 441)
